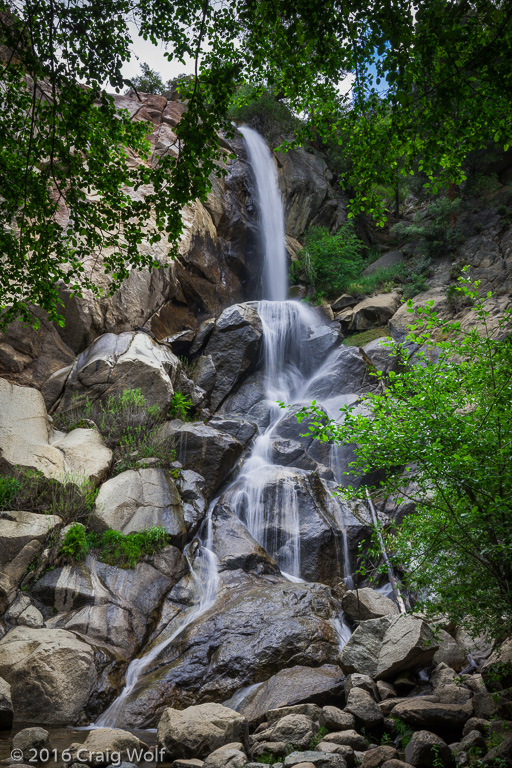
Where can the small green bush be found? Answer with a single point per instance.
(9, 487)
(129, 426)
(383, 280)
(76, 543)
(330, 262)
(181, 406)
(113, 547)
(79, 414)
(317, 738)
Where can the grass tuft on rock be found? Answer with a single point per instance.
(113, 547)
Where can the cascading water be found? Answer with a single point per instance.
(289, 332)
(275, 278)
(204, 570)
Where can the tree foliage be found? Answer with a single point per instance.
(443, 88)
(149, 81)
(441, 429)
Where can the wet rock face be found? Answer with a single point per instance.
(208, 452)
(234, 347)
(283, 500)
(110, 606)
(247, 634)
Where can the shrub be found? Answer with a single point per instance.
(330, 262)
(76, 543)
(71, 497)
(79, 414)
(385, 280)
(113, 547)
(317, 738)
(440, 433)
(129, 426)
(9, 488)
(181, 406)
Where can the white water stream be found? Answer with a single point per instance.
(289, 376)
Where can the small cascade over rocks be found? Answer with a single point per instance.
(285, 507)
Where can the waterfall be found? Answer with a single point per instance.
(270, 206)
(292, 369)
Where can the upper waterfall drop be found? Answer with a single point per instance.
(275, 272)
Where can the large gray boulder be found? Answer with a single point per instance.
(18, 528)
(199, 730)
(85, 453)
(110, 606)
(292, 729)
(114, 363)
(51, 673)
(434, 716)
(102, 744)
(291, 686)
(375, 310)
(362, 706)
(383, 647)
(30, 741)
(139, 499)
(27, 439)
(207, 451)
(366, 603)
(234, 347)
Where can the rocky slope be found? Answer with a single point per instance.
(69, 630)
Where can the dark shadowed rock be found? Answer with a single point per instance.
(207, 451)
(366, 603)
(234, 347)
(366, 712)
(426, 749)
(235, 547)
(435, 716)
(6, 709)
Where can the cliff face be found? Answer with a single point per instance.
(218, 263)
